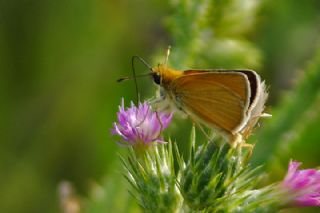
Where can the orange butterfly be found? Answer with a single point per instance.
(230, 101)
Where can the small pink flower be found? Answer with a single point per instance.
(140, 126)
(303, 186)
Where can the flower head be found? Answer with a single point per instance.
(140, 126)
(303, 186)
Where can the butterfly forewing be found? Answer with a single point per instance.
(219, 99)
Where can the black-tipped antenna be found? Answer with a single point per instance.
(134, 73)
(132, 77)
(123, 79)
(142, 60)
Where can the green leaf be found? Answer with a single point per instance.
(292, 130)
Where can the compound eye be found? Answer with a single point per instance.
(156, 78)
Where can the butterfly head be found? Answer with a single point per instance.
(163, 75)
(156, 78)
(158, 73)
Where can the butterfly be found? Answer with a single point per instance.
(230, 101)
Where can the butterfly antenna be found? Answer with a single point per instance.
(134, 74)
(131, 77)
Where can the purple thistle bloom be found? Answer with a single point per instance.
(140, 126)
(303, 186)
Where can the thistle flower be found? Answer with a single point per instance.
(215, 179)
(303, 186)
(153, 178)
(140, 126)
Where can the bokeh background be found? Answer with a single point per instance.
(59, 61)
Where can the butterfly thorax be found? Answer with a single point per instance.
(165, 77)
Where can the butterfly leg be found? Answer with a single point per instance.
(161, 125)
(235, 140)
(249, 148)
(238, 140)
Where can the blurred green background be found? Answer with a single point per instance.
(59, 61)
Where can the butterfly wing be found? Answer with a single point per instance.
(217, 99)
